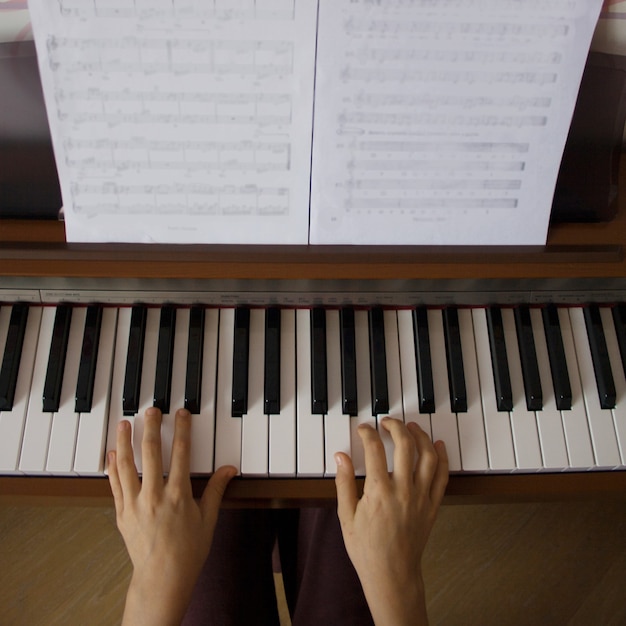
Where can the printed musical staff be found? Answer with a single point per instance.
(188, 9)
(113, 108)
(197, 56)
(190, 199)
(145, 155)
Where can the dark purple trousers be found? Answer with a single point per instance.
(236, 585)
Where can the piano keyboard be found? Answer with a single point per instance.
(277, 392)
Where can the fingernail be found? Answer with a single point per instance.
(338, 459)
(123, 425)
(152, 411)
(184, 412)
(230, 472)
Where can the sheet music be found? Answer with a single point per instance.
(191, 121)
(180, 121)
(443, 122)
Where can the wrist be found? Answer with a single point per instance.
(402, 605)
(151, 603)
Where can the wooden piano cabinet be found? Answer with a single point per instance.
(577, 257)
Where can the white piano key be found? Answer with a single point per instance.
(38, 423)
(619, 412)
(523, 421)
(497, 423)
(64, 429)
(394, 382)
(227, 427)
(408, 370)
(146, 389)
(255, 423)
(12, 422)
(443, 421)
(600, 420)
(282, 452)
(577, 437)
(92, 426)
(471, 426)
(177, 391)
(310, 428)
(203, 425)
(116, 412)
(336, 424)
(364, 395)
(550, 427)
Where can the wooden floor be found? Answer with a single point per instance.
(513, 564)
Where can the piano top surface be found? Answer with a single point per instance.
(585, 250)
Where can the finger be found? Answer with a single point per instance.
(151, 458)
(125, 461)
(181, 446)
(345, 483)
(440, 480)
(375, 459)
(426, 458)
(404, 450)
(114, 483)
(213, 494)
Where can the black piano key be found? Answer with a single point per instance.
(528, 358)
(134, 360)
(56, 360)
(271, 381)
(600, 357)
(12, 355)
(378, 362)
(454, 361)
(241, 348)
(499, 360)
(319, 380)
(195, 354)
(556, 354)
(88, 360)
(423, 361)
(348, 362)
(619, 320)
(165, 356)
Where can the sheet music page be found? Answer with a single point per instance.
(180, 121)
(443, 122)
